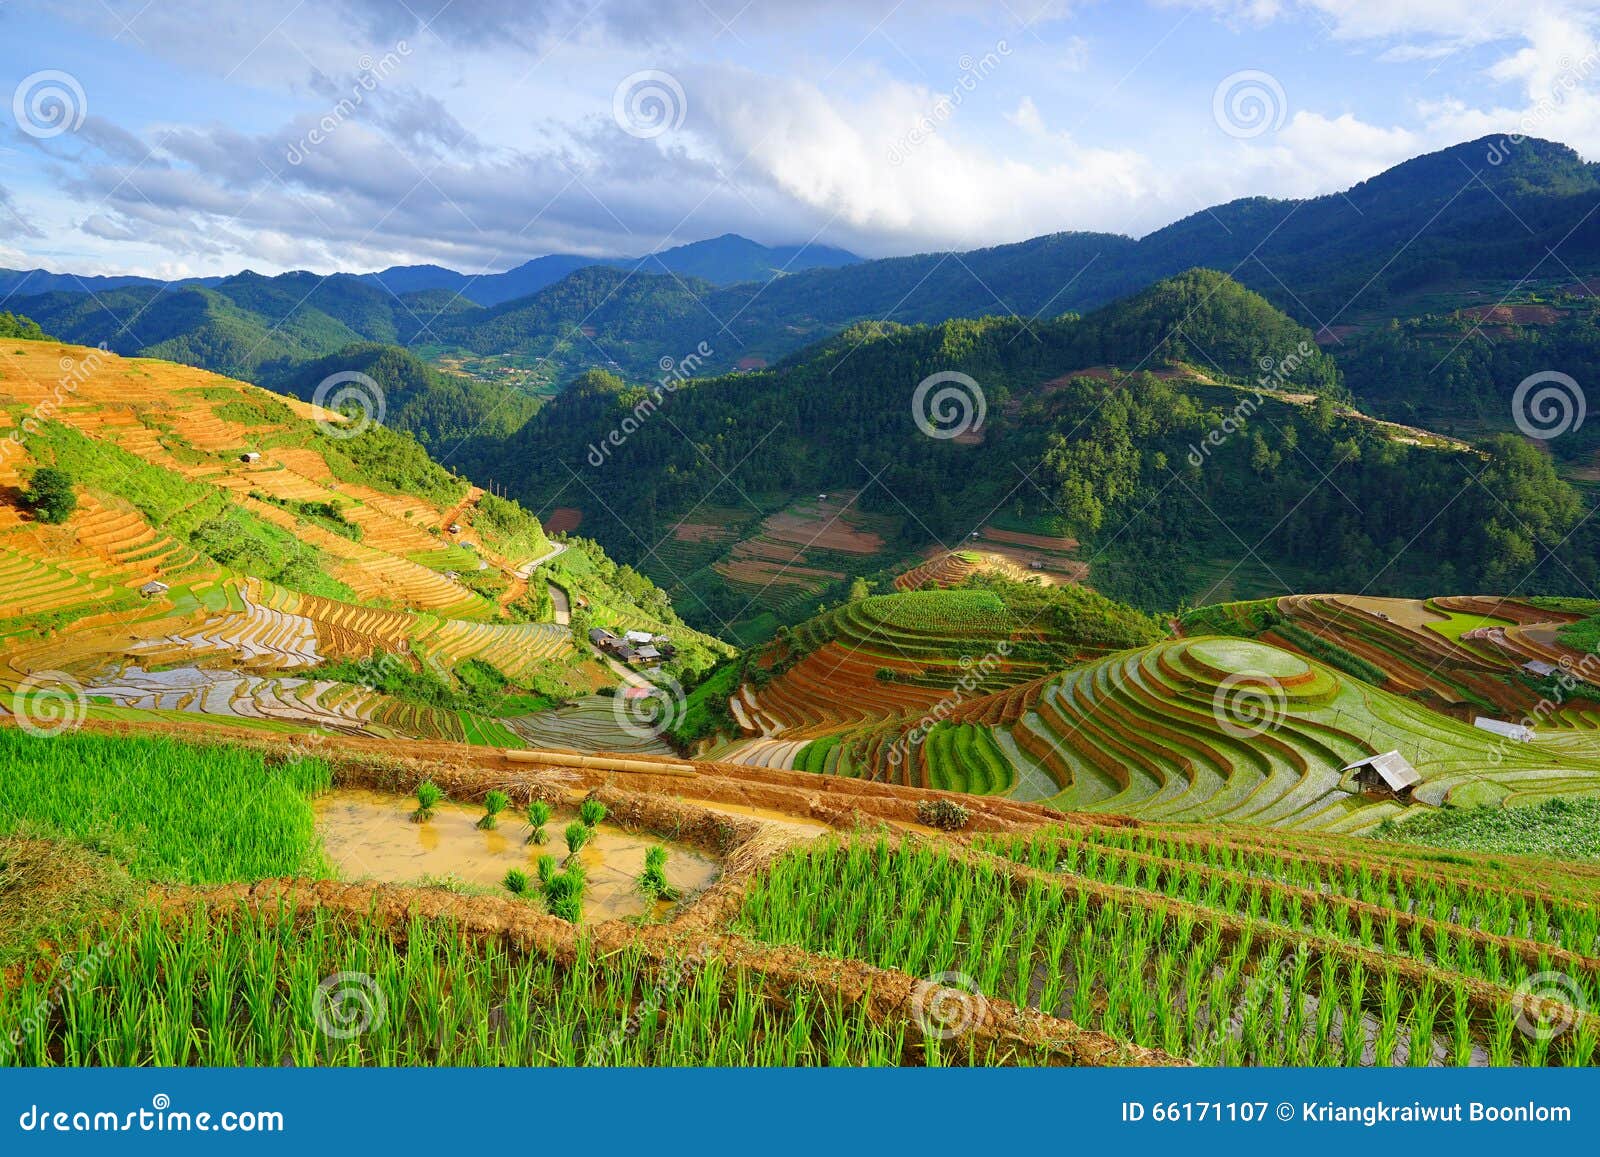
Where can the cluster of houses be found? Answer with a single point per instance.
(634, 647)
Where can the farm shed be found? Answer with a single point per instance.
(1500, 727)
(1389, 772)
(639, 637)
(649, 653)
(151, 589)
(601, 637)
(250, 456)
(1539, 667)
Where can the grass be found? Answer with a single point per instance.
(249, 990)
(50, 890)
(1199, 960)
(1584, 635)
(168, 811)
(1566, 829)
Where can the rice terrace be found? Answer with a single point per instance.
(1106, 577)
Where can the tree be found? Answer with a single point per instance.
(859, 589)
(50, 495)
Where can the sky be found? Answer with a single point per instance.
(176, 138)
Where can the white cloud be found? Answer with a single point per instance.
(1026, 116)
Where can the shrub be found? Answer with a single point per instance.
(591, 812)
(50, 495)
(944, 814)
(428, 796)
(493, 804)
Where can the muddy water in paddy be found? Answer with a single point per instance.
(370, 836)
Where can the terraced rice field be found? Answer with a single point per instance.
(926, 644)
(798, 551)
(1219, 948)
(593, 723)
(308, 704)
(1189, 730)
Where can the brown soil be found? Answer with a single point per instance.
(563, 520)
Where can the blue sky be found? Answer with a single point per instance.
(180, 137)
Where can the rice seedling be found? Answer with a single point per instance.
(563, 895)
(428, 796)
(591, 812)
(545, 868)
(577, 834)
(427, 996)
(538, 816)
(169, 811)
(494, 802)
(653, 879)
(515, 881)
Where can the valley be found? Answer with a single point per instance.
(412, 668)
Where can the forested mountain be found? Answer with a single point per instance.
(1483, 213)
(721, 260)
(447, 413)
(1124, 460)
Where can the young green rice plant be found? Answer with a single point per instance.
(428, 796)
(591, 812)
(577, 834)
(169, 811)
(563, 896)
(427, 996)
(493, 804)
(515, 881)
(545, 868)
(653, 879)
(538, 816)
